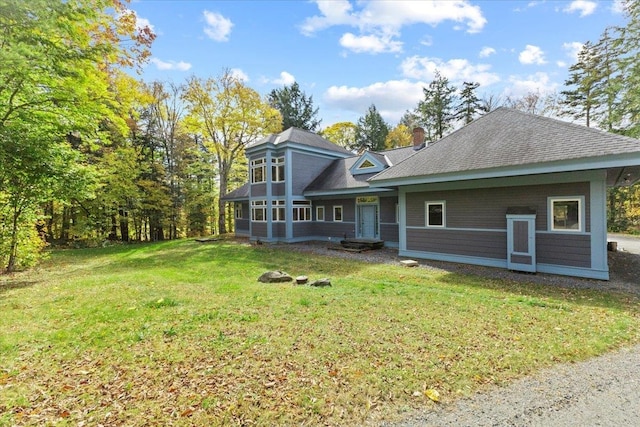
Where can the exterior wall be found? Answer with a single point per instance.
(389, 220)
(475, 226)
(305, 168)
(259, 230)
(279, 230)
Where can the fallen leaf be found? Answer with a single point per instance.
(432, 394)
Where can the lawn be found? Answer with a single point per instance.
(181, 333)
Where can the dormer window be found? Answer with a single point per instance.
(277, 169)
(366, 164)
(258, 170)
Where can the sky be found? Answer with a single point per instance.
(350, 54)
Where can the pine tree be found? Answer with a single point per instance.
(296, 108)
(371, 132)
(436, 109)
(470, 105)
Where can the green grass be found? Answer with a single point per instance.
(181, 333)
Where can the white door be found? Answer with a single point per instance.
(521, 243)
(368, 223)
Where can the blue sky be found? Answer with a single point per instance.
(351, 54)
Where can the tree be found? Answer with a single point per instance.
(228, 115)
(57, 67)
(579, 100)
(399, 136)
(435, 111)
(341, 133)
(470, 105)
(296, 108)
(371, 132)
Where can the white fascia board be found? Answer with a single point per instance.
(620, 160)
(347, 191)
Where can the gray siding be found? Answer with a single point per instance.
(242, 226)
(487, 244)
(388, 210)
(486, 207)
(279, 229)
(338, 230)
(389, 233)
(305, 168)
(303, 229)
(259, 229)
(278, 189)
(563, 249)
(258, 190)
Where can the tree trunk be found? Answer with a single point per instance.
(13, 247)
(124, 225)
(66, 224)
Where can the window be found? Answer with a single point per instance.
(259, 210)
(277, 210)
(258, 171)
(301, 210)
(238, 211)
(565, 213)
(319, 213)
(337, 213)
(277, 169)
(366, 164)
(435, 214)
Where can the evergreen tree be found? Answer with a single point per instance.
(436, 109)
(296, 108)
(371, 132)
(470, 105)
(579, 101)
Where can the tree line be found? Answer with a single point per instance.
(90, 154)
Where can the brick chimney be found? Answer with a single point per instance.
(418, 138)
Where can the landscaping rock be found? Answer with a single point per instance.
(301, 280)
(275, 277)
(320, 283)
(409, 263)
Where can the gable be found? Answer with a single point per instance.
(368, 163)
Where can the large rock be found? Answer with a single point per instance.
(320, 283)
(275, 277)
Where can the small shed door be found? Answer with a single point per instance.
(521, 242)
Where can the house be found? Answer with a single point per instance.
(509, 190)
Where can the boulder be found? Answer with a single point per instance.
(301, 280)
(275, 277)
(320, 283)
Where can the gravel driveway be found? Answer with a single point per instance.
(603, 391)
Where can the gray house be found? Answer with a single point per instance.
(509, 190)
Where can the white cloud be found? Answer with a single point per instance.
(486, 51)
(217, 26)
(285, 79)
(380, 21)
(618, 6)
(369, 44)
(456, 70)
(585, 7)
(532, 55)
(170, 65)
(239, 74)
(535, 83)
(572, 49)
(391, 98)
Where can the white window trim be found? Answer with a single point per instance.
(238, 210)
(318, 209)
(278, 206)
(260, 163)
(304, 207)
(581, 214)
(259, 205)
(276, 162)
(444, 213)
(341, 213)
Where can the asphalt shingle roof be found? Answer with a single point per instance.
(241, 193)
(507, 138)
(337, 176)
(302, 137)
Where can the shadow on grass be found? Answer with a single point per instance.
(10, 285)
